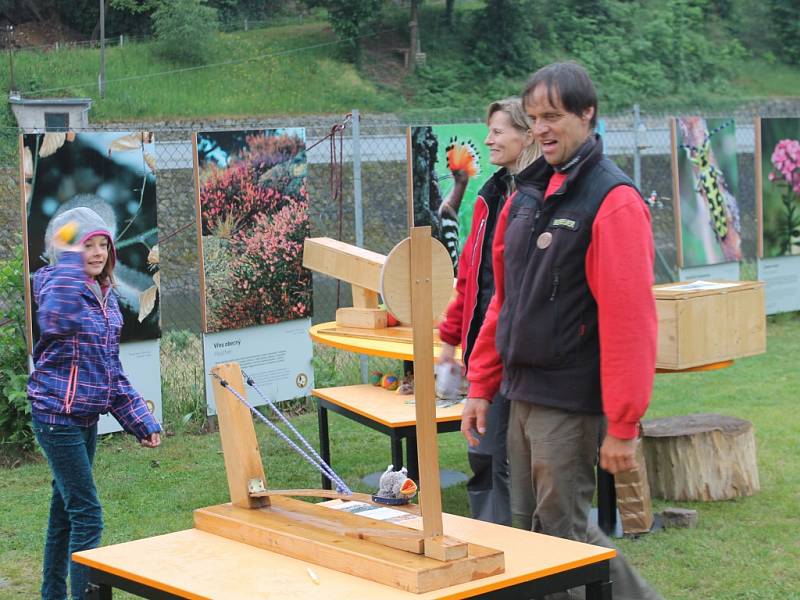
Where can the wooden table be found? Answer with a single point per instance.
(202, 566)
(399, 348)
(383, 411)
(377, 415)
(375, 407)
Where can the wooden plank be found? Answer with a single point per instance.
(26, 261)
(343, 261)
(362, 318)
(664, 291)
(364, 298)
(430, 498)
(333, 494)
(301, 530)
(199, 223)
(319, 516)
(382, 406)
(445, 549)
(238, 436)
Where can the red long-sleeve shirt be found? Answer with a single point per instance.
(619, 270)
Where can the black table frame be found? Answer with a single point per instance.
(396, 436)
(595, 577)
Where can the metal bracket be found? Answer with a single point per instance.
(255, 487)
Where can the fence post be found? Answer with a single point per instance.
(637, 157)
(120, 39)
(358, 211)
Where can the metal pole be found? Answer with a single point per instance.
(637, 157)
(359, 211)
(102, 77)
(13, 81)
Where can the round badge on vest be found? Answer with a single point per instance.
(544, 240)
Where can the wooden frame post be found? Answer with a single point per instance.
(430, 498)
(238, 435)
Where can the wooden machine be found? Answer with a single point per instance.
(416, 286)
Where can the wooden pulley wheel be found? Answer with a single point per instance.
(395, 282)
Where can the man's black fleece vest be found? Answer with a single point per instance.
(547, 331)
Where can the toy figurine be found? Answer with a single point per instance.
(395, 487)
(390, 382)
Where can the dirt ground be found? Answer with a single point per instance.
(35, 33)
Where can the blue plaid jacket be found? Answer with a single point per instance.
(78, 375)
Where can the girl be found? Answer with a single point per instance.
(77, 377)
(512, 148)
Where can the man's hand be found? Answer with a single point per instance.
(447, 353)
(616, 455)
(151, 441)
(474, 419)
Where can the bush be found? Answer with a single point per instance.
(255, 218)
(16, 435)
(185, 30)
(182, 385)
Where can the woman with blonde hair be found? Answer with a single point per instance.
(512, 148)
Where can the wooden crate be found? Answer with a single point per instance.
(704, 324)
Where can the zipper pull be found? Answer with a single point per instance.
(555, 287)
(536, 216)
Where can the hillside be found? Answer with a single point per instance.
(298, 69)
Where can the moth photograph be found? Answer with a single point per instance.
(706, 185)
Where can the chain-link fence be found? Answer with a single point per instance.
(641, 145)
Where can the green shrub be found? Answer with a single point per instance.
(182, 385)
(185, 30)
(16, 435)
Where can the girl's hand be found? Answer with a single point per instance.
(62, 246)
(151, 441)
(65, 239)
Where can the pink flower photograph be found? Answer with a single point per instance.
(253, 204)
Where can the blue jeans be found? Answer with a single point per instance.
(76, 517)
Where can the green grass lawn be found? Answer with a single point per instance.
(742, 549)
(758, 80)
(287, 70)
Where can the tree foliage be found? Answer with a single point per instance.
(350, 20)
(633, 49)
(185, 30)
(15, 430)
(786, 21)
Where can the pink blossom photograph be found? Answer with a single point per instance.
(779, 192)
(252, 200)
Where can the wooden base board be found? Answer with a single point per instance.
(341, 541)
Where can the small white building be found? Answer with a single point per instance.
(50, 114)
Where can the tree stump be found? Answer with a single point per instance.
(700, 457)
